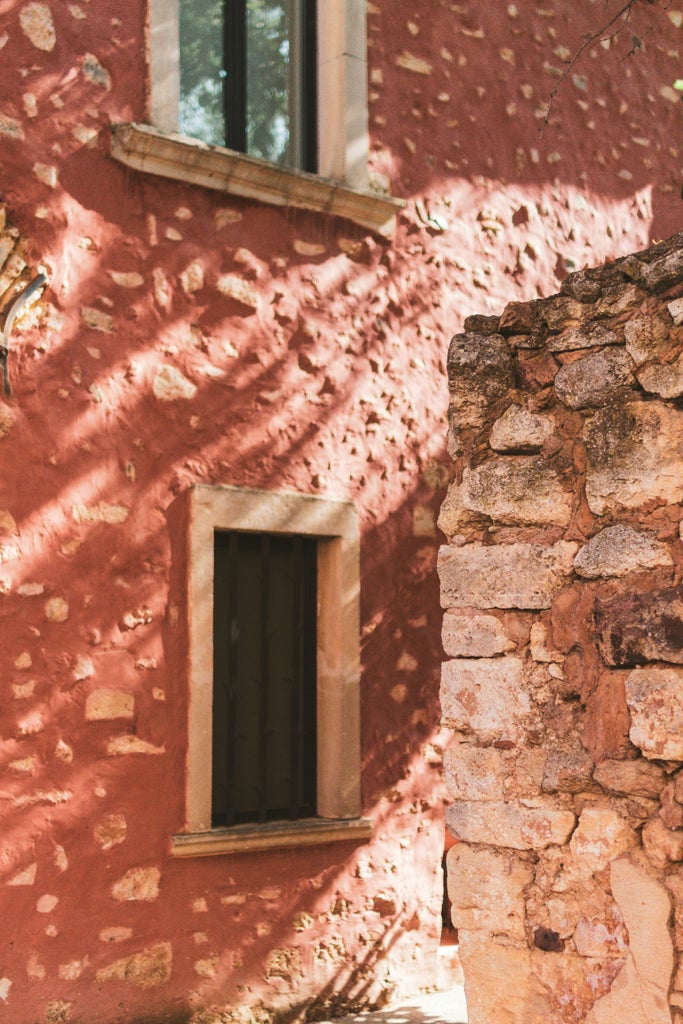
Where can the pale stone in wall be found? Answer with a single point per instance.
(486, 890)
(486, 696)
(137, 884)
(504, 576)
(500, 986)
(169, 385)
(618, 550)
(472, 634)
(635, 454)
(529, 826)
(600, 837)
(595, 380)
(639, 994)
(108, 704)
(36, 23)
(473, 773)
(665, 381)
(517, 489)
(519, 430)
(655, 700)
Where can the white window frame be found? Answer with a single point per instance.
(334, 524)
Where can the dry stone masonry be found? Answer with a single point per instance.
(563, 624)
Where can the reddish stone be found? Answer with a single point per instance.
(636, 628)
(607, 723)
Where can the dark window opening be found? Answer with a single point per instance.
(265, 678)
(248, 77)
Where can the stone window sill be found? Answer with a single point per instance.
(172, 156)
(276, 835)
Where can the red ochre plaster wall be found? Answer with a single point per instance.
(327, 379)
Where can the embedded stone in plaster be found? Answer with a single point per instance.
(473, 634)
(639, 993)
(473, 773)
(618, 550)
(480, 373)
(147, 969)
(524, 576)
(100, 513)
(94, 71)
(517, 490)
(56, 609)
(37, 25)
(655, 700)
(635, 454)
(111, 831)
(234, 287)
(129, 744)
(169, 385)
(108, 704)
(486, 696)
(519, 430)
(638, 627)
(594, 380)
(97, 320)
(138, 884)
(485, 888)
(532, 825)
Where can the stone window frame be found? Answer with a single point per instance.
(334, 524)
(340, 186)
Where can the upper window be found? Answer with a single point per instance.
(248, 77)
(258, 75)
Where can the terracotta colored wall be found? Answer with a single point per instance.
(564, 626)
(326, 380)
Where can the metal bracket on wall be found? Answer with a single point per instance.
(13, 311)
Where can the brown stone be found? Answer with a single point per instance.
(505, 576)
(645, 338)
(519, 430)
(518, 490)
(637, 778)
(589, 336)
(595, 379)
(485, 696)
(640, 627)
(655, 700)
(607, 722)
(635, 454)
(567, 770)
(665, 381)
(662, 845)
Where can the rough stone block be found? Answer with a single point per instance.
(589, 336)
(480, 372)
(470, 633)
(635, 628)
(618, 550)
(521, 576)
(661, 844)
(518, 490)
(600, 837)
(519, 430)
(607, 722)
(567, 770)
(655, 700)
(645, 338)
(663, 380)
(635, 454)
(639, 993)
(595, 379)
(485, 888)
(147, 969)
(473, 773)
(485, 696)
(500, 986)
(529, 826)
(635, 778)
(106, 704)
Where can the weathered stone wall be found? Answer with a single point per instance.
(564, 627)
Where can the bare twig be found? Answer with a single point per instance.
(624, 13)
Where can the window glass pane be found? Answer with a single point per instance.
(274, 58)
(201, 70)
